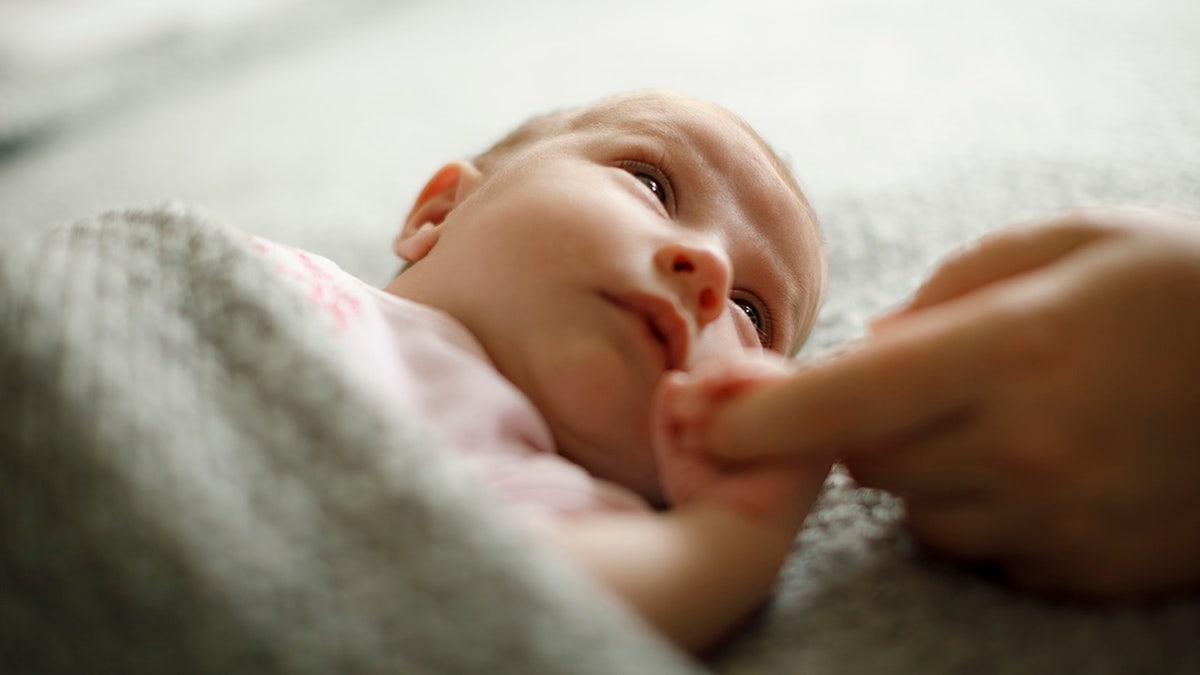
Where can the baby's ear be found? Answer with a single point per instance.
(448, 187)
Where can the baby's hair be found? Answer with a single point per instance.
(535, 128)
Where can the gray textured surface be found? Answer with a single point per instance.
(914, 126)
(192, 480)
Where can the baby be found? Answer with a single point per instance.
(558, 289)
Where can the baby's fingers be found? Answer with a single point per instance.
(677, 418)
(696, 395)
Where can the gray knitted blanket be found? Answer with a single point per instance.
(191, 482)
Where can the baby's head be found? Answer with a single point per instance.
(594, 249)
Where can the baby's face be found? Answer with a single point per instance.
(656, 235)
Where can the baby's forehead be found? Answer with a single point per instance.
(680, 120)
(671, 117)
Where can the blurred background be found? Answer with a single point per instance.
(913, 124)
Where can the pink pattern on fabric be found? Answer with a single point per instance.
(326, 292)
(319, 278)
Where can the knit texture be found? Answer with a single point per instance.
(192, 481)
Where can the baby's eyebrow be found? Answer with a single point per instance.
(795, 314)
(655, 125)
(792, 290)
(663, 130)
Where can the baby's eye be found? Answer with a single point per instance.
(653, 185)
(758, 319)
(655, 180)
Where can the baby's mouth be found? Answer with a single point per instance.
(663, 321)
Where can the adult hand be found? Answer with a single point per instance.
(1037, 405)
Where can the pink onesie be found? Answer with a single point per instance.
(429, 367)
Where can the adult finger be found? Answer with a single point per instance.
(936, 365)
(972, 528)
(1006, 253)
(948, 463)
(925, 371)
(1020, 249)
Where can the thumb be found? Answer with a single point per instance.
(1001, 255)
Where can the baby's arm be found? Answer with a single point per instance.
(699, 569)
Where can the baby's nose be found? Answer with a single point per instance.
(701, 274)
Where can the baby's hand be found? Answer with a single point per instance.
(778, 489)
